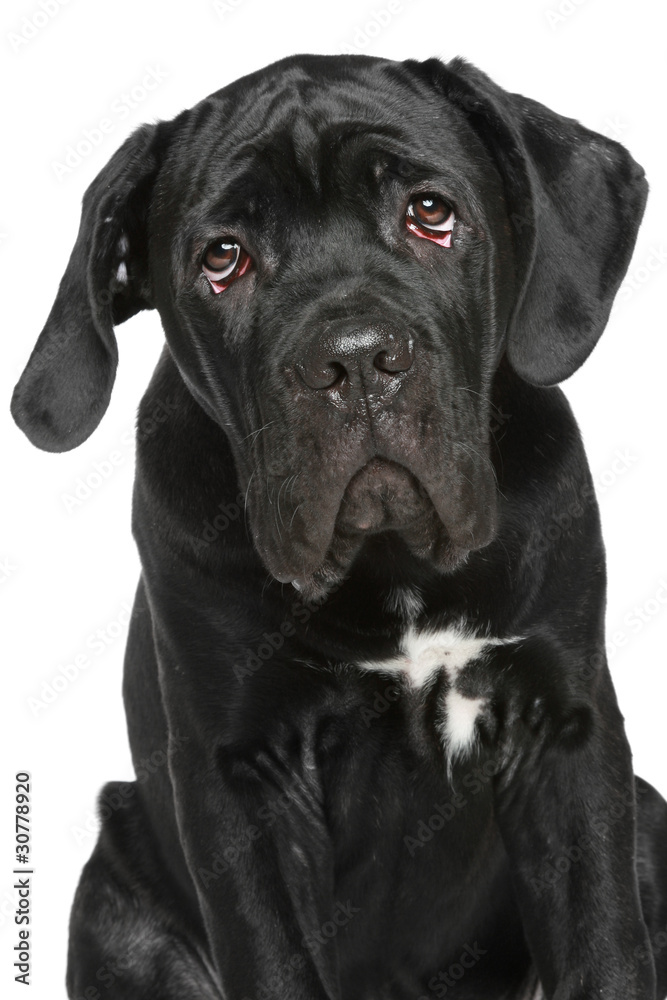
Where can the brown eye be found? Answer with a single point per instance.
(223, 262)
(431, 218)
(221, 258)
(432, 212)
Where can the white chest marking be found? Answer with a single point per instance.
(421, 656)
(458, 722)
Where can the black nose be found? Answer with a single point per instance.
(356, 361)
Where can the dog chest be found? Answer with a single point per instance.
(424, 656)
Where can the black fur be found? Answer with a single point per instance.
(307, 834)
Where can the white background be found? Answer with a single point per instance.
(67, 574)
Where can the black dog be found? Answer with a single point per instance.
(394, 764)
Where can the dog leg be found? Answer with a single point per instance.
(130, 937)
(265, 891)
(566, 807)
(652, 871)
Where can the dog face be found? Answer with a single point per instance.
(341, 250)
(348, 337)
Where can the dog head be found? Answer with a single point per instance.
(342, 250)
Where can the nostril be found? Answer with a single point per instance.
(350, 361)
(397, 357)
(322, 375)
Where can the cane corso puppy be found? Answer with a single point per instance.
(378, 750)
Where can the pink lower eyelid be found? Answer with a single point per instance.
(443, 238)
(220, 284)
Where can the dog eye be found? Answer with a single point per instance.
(431, 218)
(223, 262)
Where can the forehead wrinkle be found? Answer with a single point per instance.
(299, 124)
(254, 116)
(299, 129)
(329, 162)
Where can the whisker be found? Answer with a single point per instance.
(298, 506)
(245, 500)
(483, 458)
(467, 388)
(255, 434)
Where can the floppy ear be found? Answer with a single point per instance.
(575, 201)
(64, 391)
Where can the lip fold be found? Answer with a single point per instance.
(442, 517)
